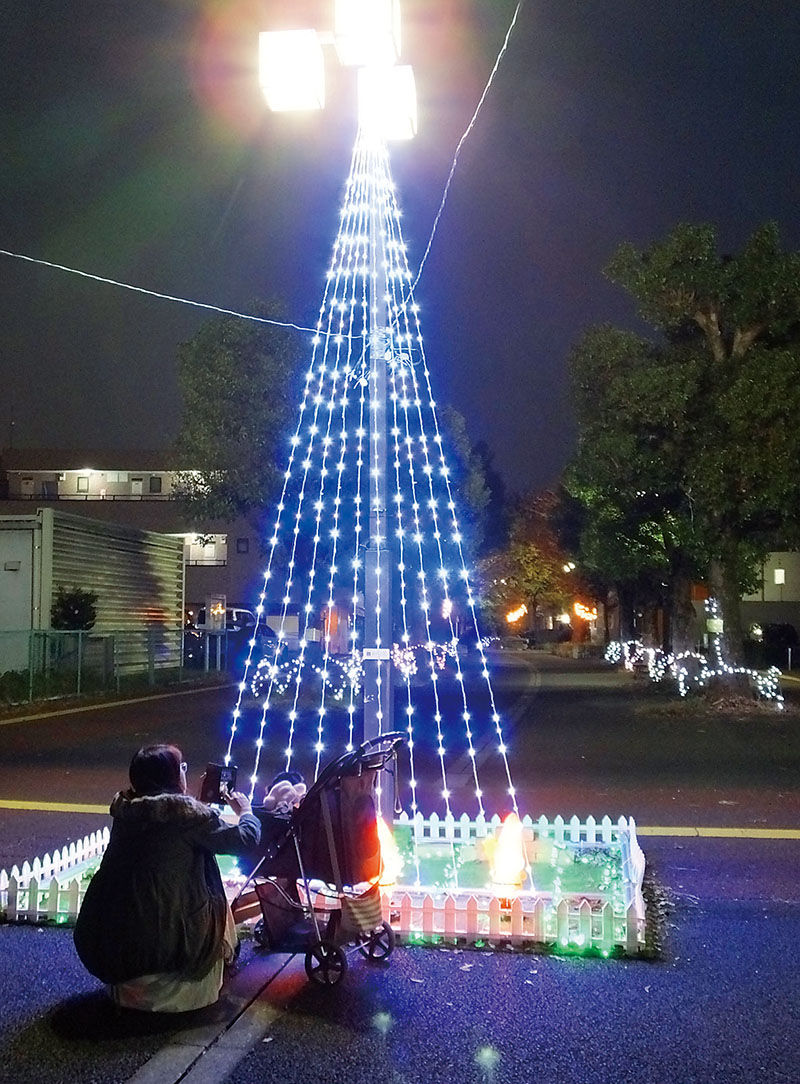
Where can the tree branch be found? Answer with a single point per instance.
(744, 338)
(709, 322)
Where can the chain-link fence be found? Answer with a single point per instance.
(45, 664)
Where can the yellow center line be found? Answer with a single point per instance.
(52, 807)
(719, 833)
(698, 831)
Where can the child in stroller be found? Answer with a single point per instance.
(328, 835)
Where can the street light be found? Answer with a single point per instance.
(366, 35)
(291, 70)
(367, 32)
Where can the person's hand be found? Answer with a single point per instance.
(238, 802)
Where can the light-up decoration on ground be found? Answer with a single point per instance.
(508, 863)
(691, 670)
(588, 877)
(391, 860)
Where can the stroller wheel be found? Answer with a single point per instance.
(260, 935)
(326, 964)
(379, 944)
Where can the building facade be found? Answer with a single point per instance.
(136, 489)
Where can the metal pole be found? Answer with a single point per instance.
(378, 699)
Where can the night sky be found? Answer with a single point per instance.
(136, 145)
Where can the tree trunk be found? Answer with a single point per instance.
(723, 582)
(626, 624)
(610, 601)
(683, 619)
(650, 628)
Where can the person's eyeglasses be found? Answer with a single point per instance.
(184, 767)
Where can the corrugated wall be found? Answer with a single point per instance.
(138, 577)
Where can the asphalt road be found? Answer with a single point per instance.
(722, 1006)
(582, 739)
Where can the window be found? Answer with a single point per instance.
(155, 483)
(242, 545)
(83, 483)
(206, 549)
(116, 476)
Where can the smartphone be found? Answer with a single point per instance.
(218, 777)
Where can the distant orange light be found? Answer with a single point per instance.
(584, 612)
(515, 615)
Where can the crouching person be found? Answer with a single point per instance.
(155, 923)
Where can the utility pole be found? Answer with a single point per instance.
(377, 692)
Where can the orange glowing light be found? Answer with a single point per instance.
(391, 859)
(508, 863)
(584, 612)
(515, 615)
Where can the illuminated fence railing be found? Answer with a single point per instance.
(51, 889)
(464, 828)
(571, 923)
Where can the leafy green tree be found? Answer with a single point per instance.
(73, 610)
(693, 433)
(235, 378)
(635, 405)
(468, 478)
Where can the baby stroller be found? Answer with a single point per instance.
(330, 837)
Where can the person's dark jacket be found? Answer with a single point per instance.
(157, 903)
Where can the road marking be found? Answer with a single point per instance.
(208, 1054)
(641, 829)
(112, 704)
(52, 807)
(719, 833)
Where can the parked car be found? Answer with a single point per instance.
(770, 645)
(240, 627)
(780, 634)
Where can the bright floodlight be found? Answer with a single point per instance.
(367, 32)
(291, 69)
(387, 102)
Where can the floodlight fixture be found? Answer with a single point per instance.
(291, 69)
(387, 102)
(367, 32)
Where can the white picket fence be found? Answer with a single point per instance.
(571, 922)
(463, 829)
(50, 889)
(581, 920)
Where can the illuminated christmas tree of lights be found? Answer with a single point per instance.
(322, 526)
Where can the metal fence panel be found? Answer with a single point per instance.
(46, 664)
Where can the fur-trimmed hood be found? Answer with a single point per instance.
(144, 811)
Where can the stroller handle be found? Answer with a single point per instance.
(393, 737)
(373, 753)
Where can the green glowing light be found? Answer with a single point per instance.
(487, 1057)
(382, 1022)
